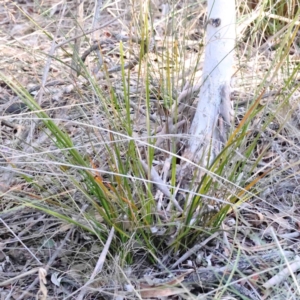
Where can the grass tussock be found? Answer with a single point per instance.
(96, 103)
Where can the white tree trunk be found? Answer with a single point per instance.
(213, 115)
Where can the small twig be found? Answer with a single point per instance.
(102, 257)
(9, 124)
(282, 275)
(99, 264)
(160, 184)
(289, 270)
(23, 274)
(194, 250)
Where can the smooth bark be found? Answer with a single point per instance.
(213, 115)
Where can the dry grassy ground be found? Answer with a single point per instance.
(44, 253)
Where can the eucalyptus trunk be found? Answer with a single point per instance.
(209, 128)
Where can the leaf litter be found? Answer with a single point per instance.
(258, 238)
